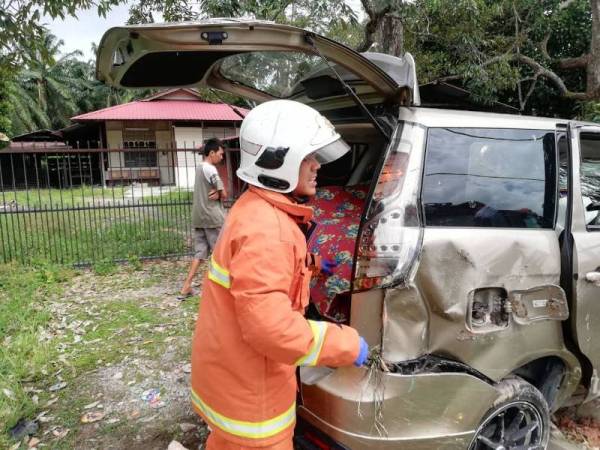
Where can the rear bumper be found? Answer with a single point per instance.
(416, 412)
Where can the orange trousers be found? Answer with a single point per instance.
(215, 442)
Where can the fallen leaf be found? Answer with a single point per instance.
(58, 386)
(60, 433)
(33, 442)
(174, 445)
(91, 417)
(42, 414)
(51, 401)
(187, 427)
(10, 394)
(91, 405)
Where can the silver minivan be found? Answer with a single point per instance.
(476, 265)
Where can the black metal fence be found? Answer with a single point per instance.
(80, 206)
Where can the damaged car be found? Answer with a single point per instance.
(468, 243)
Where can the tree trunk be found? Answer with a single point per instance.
(593, 69)
(391, 35)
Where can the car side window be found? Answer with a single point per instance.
(590, 179)
(480, 177)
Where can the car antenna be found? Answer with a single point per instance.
(308, 37)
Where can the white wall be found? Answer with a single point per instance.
(185, 167)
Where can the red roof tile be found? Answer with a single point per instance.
(165, 110)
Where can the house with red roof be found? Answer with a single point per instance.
(174, 119)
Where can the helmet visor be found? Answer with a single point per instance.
(331, 152)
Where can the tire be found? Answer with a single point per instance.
(518, 420)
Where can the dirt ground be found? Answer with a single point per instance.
(125, 357)
(136, 396)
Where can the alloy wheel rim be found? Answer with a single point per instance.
(515, 426)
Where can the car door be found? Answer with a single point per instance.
(585, 229)
(253, 59)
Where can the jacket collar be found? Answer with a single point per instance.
(301, 213)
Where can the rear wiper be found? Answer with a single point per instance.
(349, 90)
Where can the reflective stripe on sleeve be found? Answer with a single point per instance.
(218, 274)
(318, 330)
(252, 430)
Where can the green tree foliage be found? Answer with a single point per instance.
(322, 16)
(20, 27)
(333, 18)
(537, 55)
(5, 105)
(51, 88)
(21, 35)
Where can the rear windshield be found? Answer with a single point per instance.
(276, 73)
(477, 177)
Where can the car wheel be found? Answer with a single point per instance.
(518, 420)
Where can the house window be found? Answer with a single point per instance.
(145, 141)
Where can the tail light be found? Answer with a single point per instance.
(391, 234)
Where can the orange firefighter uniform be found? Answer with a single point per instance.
(251, 333)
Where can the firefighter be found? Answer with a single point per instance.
(251, 332)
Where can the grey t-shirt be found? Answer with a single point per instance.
(207, 213)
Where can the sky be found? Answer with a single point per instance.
(79, 33)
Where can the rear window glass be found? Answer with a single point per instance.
(276, 73)
(489, 178)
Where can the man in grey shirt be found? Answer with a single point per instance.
(208, 213)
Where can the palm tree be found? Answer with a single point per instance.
(26, 113)
(54, 85)
(43, 93)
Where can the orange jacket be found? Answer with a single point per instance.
(251, 333)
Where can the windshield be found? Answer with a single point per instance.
(276, 73)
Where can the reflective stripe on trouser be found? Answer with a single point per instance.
(217, 442)
(218, 274)
(252, 430)
(318, 329)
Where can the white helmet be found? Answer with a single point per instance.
(276, 136)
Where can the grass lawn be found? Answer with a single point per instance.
(151, 226)
(75, 343)
(91, 195)
(79, 196)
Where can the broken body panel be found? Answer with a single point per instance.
(446, 308)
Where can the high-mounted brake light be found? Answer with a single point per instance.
(390, 237)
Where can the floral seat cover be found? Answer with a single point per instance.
(337, 212)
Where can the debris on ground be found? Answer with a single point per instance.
(174, 445)
(152, 398)
(187, 427)
(91, 417)
(585, 430)
(60, 433)
(58, 386)
(23, 428)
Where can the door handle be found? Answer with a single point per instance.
(593, 277)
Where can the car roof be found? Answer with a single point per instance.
(433, 117)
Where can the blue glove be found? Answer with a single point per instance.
(363, 353)
(327, 266)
